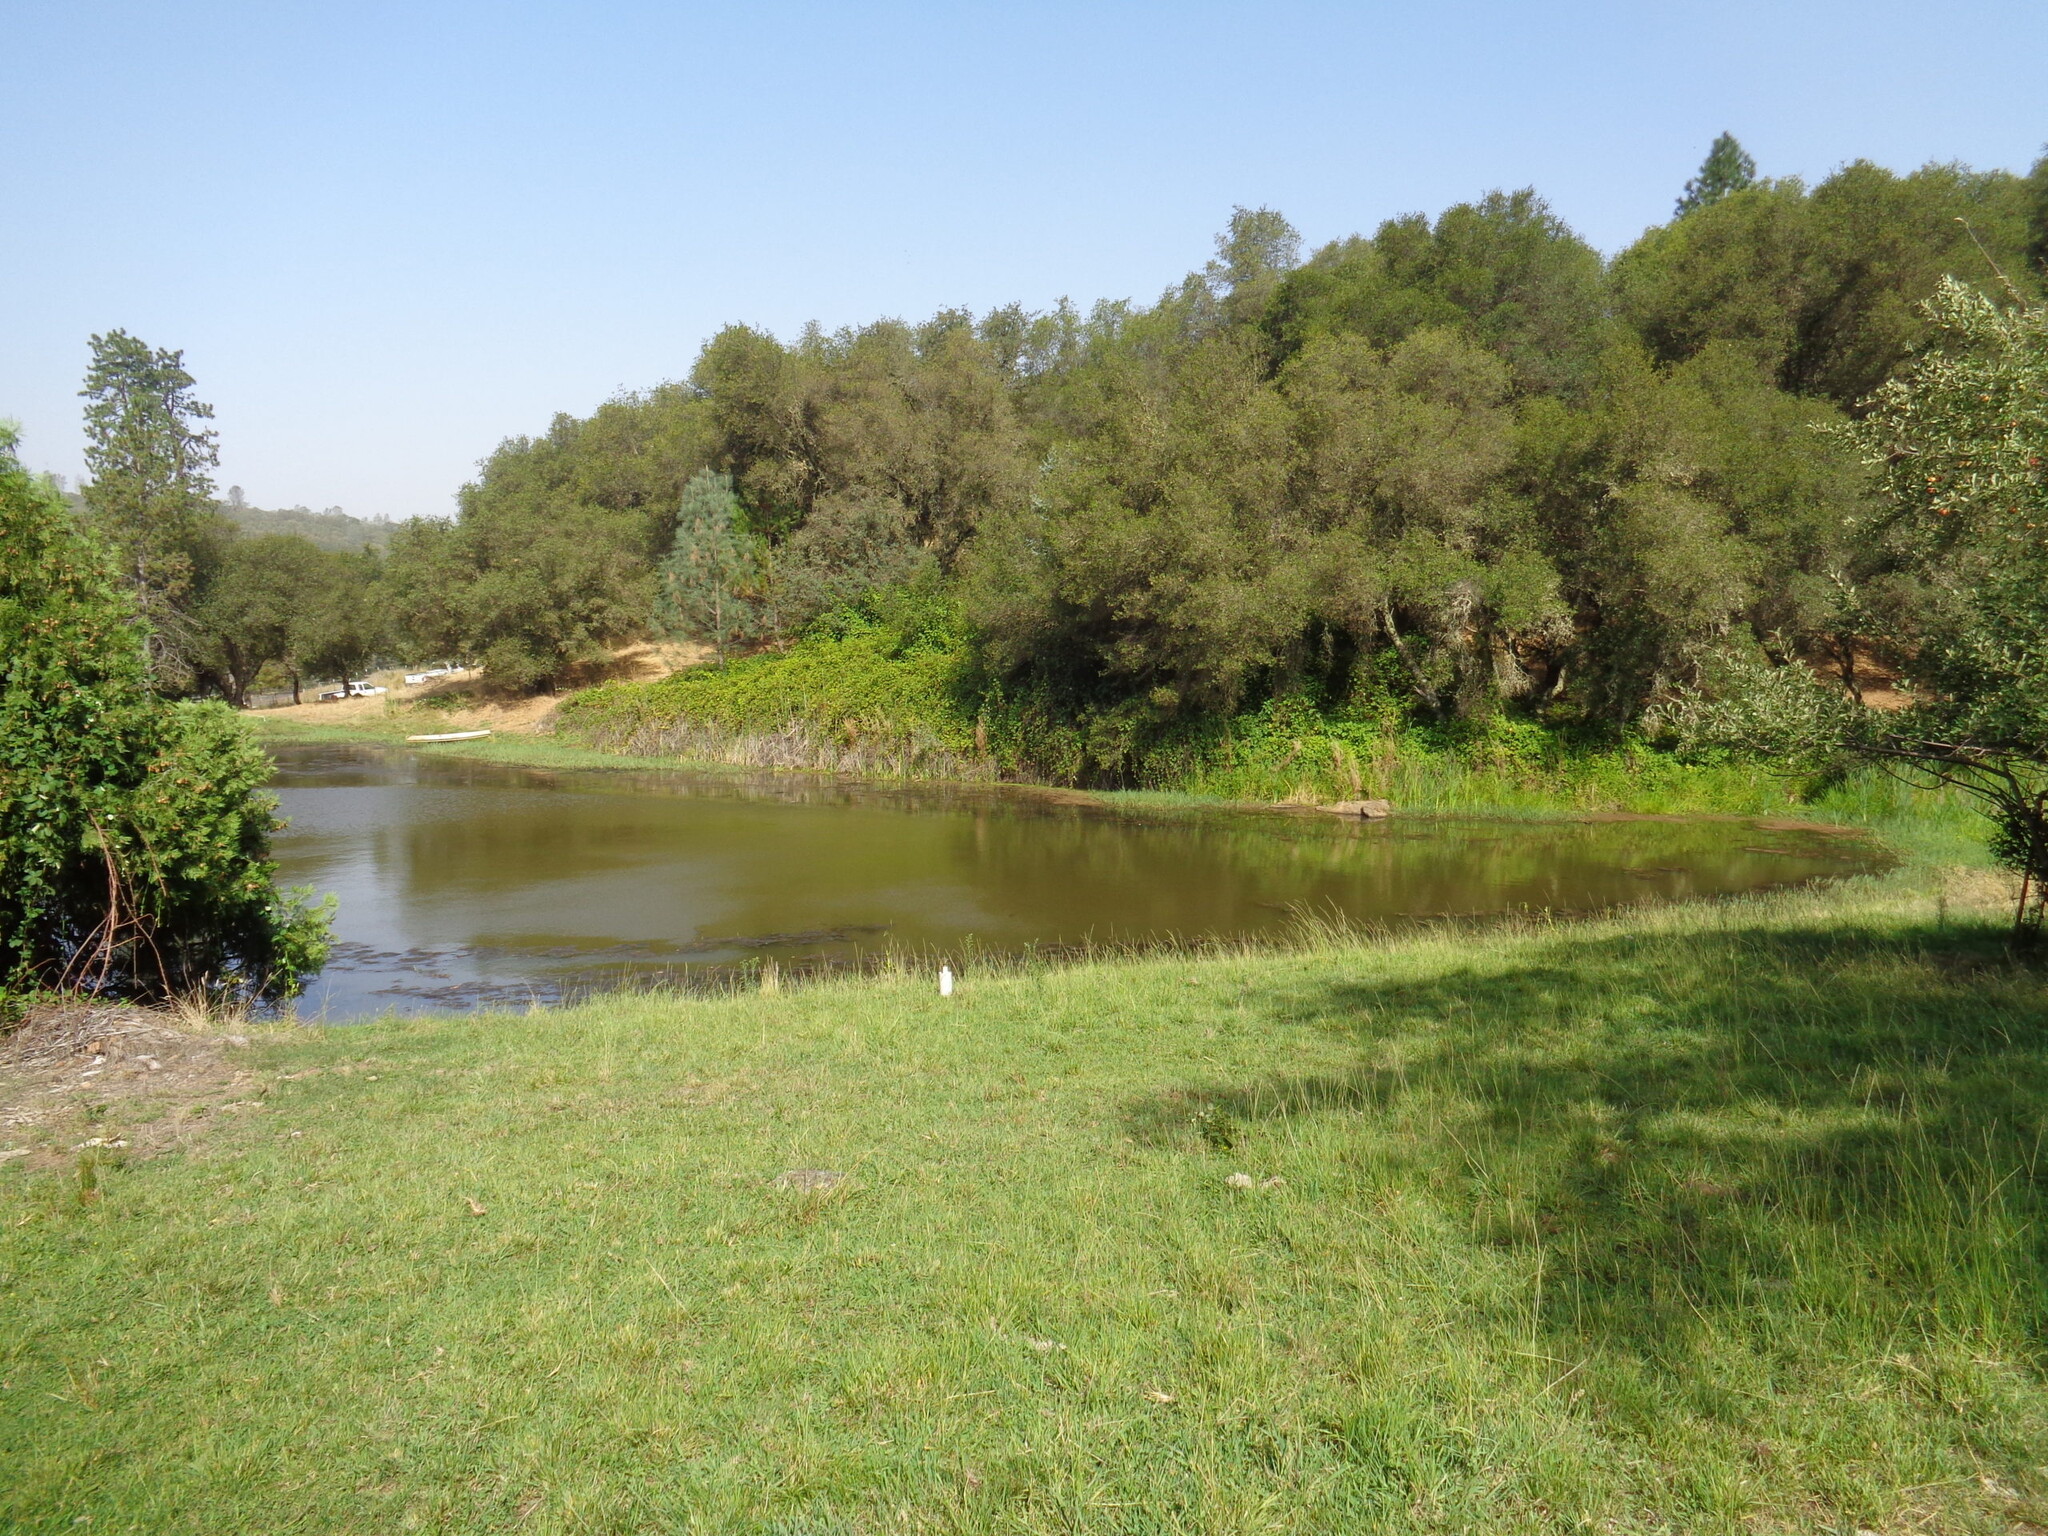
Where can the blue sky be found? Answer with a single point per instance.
(389, 235)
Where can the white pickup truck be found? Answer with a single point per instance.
(361, 690)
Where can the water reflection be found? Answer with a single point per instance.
(465, 883)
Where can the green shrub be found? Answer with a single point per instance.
(134, 833)
(856, 684)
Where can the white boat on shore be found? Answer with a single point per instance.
(451, 736)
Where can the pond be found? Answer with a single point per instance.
(464, 883)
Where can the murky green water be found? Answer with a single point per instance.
(464, 883)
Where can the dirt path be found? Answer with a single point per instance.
(472, 706)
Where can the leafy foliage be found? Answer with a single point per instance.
(1462, 466)
(854, 545)
(918, 416)
(867, 680)
(523, 592)
(1505, 270)
(551, 558)
(1959, 597)
(280, 599)
(1824, 287)
(330, 529)
(133, 832)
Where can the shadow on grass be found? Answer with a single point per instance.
(1836, 1129)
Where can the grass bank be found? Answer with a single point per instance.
(905, 703)
(1714, 1219)
(390, 730)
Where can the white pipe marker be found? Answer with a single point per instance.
(945, 981)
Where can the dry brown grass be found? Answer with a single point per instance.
(133, 1081)
(800, 745)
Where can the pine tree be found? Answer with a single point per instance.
(150, 495)
(708, 586)
(1727, 168)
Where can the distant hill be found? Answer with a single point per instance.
(332, 529)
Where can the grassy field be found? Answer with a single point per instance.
(1720, 1218)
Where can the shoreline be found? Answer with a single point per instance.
(525, 748)
(1847, 855)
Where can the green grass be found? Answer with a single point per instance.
(867, 702)
(1719, 1218)
(391, 731)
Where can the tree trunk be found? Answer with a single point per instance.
(2024, 933)
(1422, 685)
(1845, 651)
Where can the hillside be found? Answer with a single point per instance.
(333, 529)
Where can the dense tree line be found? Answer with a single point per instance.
(330, 528)
(1460, 463)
